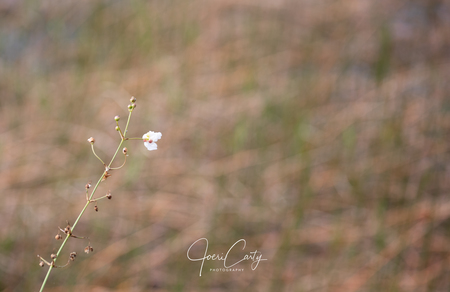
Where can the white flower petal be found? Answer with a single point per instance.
(151, 146)
(150, 138)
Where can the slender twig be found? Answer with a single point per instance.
(42, 259)
(98, 199)
(119, 130)
(125, 161)
(93, 151)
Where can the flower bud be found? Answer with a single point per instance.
(117, 128)
(133, 99)
(117, 118)
(130, 106)
(125, 150)
(91, 140)
(53, 256)
(133, 105)
(58, 237)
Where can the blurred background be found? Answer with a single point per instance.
(318, 131)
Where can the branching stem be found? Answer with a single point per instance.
(88, 201)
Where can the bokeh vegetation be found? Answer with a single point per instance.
(316, 130)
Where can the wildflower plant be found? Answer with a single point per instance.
(67, 233)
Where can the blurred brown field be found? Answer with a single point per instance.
(318, 131)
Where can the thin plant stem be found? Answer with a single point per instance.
(121, 142)
(98, 199)
(93, 151)
(120, 131)
(87, 203)
(128, 122)
(125, 161)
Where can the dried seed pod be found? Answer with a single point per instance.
(105, 175)
(108, 195)
(67, 229)
(58, 237)
(53, 256)
(87, 186)
(72, 256)
(88, 249)
(125, 150)
(96, 208)
(41, 263)
(91, 140)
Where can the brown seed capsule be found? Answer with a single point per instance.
(67, 229)
(105, 175)
(87, 186)
(96, 208)
(41, 263)
(58, 237)
(125, 150)
(53, 256)
(108, 195)
(133, 99)
(72, 256)
(88, 249)
(91, 140)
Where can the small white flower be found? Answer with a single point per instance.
(150, 138)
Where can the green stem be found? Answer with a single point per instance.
(93, 151)
(121, 142)
(128, 122)
(120, 131)
(125, 161)
(87, 204)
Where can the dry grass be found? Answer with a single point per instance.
(316, 130)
